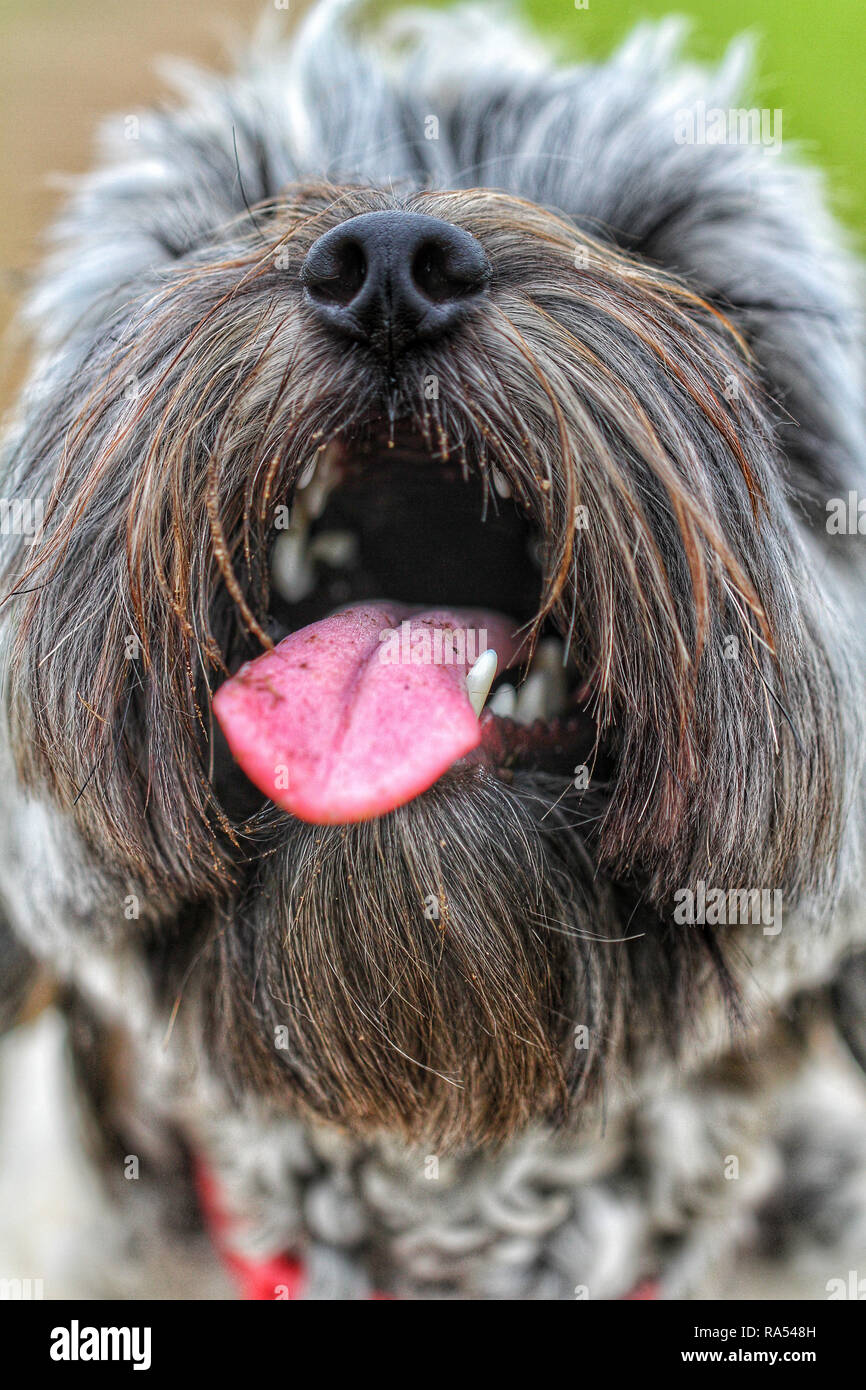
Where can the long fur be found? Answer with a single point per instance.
(670, 343)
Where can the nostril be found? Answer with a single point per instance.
(337, 276)
(391, 279)
(442, 276)
(430, 274)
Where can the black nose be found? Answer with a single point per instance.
(391, 279)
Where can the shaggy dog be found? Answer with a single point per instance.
(446, 972)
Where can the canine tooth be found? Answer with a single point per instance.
(548, 661)
(317, 496)
(323, 484)
(548, 654)
(308, 473)
(479, 679)
(339, 549)
(533, 700)
(291, 572)
(500, 483)
(503, 702)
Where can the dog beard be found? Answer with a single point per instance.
(412, 968)
(449, 973)
(419, 973)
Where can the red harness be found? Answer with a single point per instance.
(281, 1277)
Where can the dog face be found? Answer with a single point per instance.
(281, 415)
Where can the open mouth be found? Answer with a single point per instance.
(404, 599)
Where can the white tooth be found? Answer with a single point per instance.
(500, 483)
(317, 496)
(532, 698)
(548, 661)
(321, 488)
(307, 476)
(339, 549)
(319, 477)
(504, 702)
(548, 653)
(480, 677)
(291, 572)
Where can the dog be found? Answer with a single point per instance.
(432, 738)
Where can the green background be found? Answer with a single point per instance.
(810, 61)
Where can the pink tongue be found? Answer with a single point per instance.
(354, 715)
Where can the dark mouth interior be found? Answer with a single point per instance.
(420, 539)
(387, 519)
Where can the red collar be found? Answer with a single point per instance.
(281, 1277)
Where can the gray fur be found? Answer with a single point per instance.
(708, 448)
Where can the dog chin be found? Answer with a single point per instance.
(428, 973)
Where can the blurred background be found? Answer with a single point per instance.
(63, 63)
